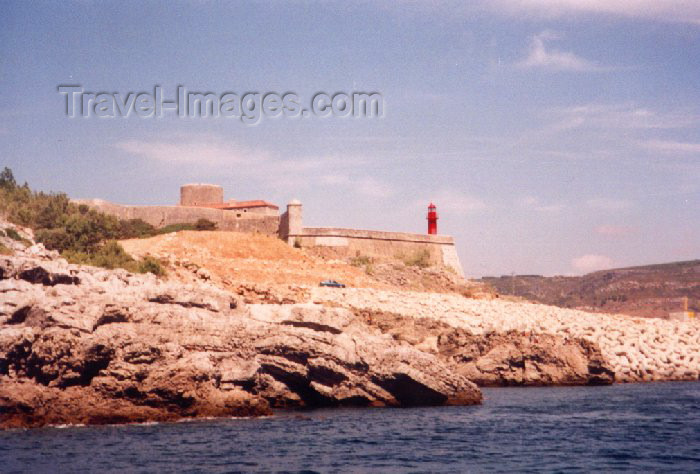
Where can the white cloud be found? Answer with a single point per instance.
(614, 230)
(607, 204)
(598, 131)
(373, 187)
(451, 202)
(675, 11)
(527, 201)
(540, 56)
(290, 173)
(620, 116)
(685, 11)
(591, 263)
(670, 146)
(534, 204)
(199, 150)
(366, 186)
(334, 179)
(457, 202)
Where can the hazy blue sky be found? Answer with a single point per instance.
(555, 136)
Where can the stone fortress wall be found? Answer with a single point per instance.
(161, 216)
(378, 245)
(205, 201)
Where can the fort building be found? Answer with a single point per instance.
(206, 201)
(212, 196)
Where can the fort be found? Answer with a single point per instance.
(206, 201)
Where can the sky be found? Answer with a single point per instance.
(554, 136)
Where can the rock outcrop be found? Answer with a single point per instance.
(525, 359)
(86, 345)
(81, 344)
(500, 358)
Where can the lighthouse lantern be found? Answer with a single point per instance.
(432, 219)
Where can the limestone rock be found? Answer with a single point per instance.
(525, 359)
(114, 347)
(636, 349)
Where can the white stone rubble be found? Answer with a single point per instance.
(639, 349)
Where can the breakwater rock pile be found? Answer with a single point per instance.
(636, 349)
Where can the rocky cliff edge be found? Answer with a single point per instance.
(80, 344)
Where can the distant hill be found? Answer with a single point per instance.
(648, 291)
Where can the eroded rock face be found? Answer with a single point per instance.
(344, 363)
(516, 358)
(500, 359)
(99, 346)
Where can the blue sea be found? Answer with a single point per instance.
(645, 427)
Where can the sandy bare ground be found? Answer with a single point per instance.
(231, 259)
(249, 258)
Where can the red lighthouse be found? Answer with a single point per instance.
(432, 219)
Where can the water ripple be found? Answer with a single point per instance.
(574, 429)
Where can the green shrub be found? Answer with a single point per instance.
(54, 239)
(420, 259)
(111, 255)
(201, 224)
(174, 228)
(151, 265)
(204, 224)
(81, 234)
(14, 235)
(360, 260)
(135, 228)
(7, 179)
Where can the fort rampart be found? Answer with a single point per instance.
(161, 216)
(202, 201)
(378, 245)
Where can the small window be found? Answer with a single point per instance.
(238, 215)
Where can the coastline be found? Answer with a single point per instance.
(640, 427)
(638, 349)
(85, 345)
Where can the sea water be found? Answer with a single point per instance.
(639, 427)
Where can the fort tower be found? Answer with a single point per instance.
(201, 194)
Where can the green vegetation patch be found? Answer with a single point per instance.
(360, 261)
(81, 234)
(14, 235)
(111, 255)
(420, 259)
(201, 224)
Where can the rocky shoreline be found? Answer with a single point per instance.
(84, 345)
(636, 349)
